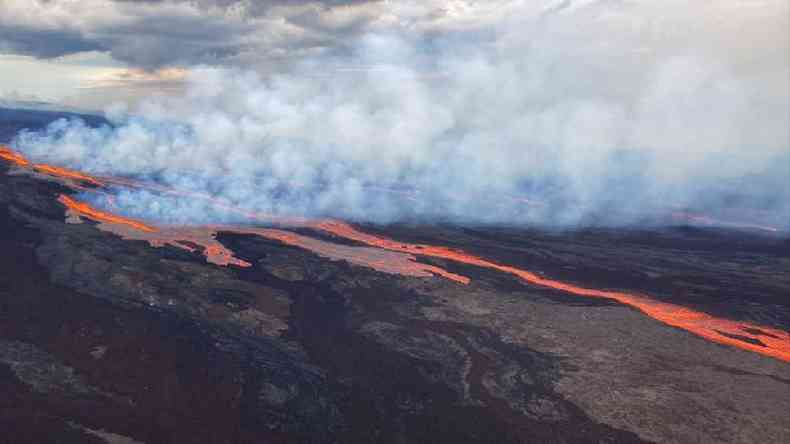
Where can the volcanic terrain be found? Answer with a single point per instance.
(289, 330)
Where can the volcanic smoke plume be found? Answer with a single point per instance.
(465, 129)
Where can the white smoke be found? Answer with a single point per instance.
(596, 116)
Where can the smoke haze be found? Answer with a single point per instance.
(609, 113)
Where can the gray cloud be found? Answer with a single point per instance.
(45, 43)
(147, 34)
(173, 39)
(153, 34)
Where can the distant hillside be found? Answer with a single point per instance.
(13, 120)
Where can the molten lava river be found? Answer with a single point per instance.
(379, 253)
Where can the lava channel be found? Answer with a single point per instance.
(203, 239)
(83, 209)
(19, 160)
(65, 173)
(763, 340)
(12, 156)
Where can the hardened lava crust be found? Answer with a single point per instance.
(110, 339)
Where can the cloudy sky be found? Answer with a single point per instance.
(63, 50)
(89, 52)
(598, 108)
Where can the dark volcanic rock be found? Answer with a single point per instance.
(108, 340)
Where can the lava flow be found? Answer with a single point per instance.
(767, 341)
(379, 259)
(13, 157)
(50, 170)
(65, 173)
(186, 238)
(102, 216)
(402, 260)
(203, 239)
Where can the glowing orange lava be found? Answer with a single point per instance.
(192, 239)
(19, 160)
(65, 173)
(13, 157)
(402, 259)
(767, 341)
(203, 239)
(186, 238)
(86, 210)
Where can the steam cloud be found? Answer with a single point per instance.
(592, 124)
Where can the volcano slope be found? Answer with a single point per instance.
(105, 338)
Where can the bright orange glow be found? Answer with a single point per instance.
(191, 239)
(18, 159)
(203, 239)
(65, 173)
(12, 156)
(763, 340)
(219, 255)
(766, 341)
(86, 210)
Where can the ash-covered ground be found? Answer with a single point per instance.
(109, 340)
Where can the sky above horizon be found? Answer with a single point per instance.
(605, 111)
(90, 53)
